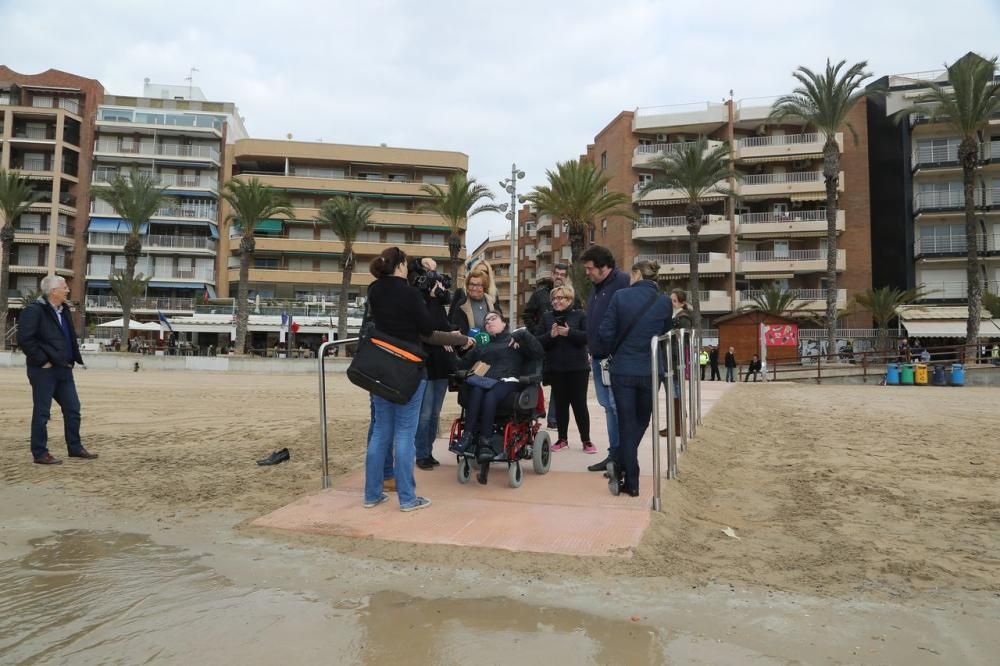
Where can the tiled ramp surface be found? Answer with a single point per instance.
(568, 511)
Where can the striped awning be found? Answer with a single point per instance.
(809, 196)
(781, 158)
(770, 276)
(988, 328)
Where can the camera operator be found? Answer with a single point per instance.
(441, 360)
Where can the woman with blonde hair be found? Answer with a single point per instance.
(484, 266)
(633, 317)
(471, 305)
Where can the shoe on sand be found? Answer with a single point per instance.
(421, 503)
(383, 498)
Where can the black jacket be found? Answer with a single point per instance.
(397, 309)
(754, 366)
(440, 362)
(565, 353)
(504, 360)
(730, 360)
(42, 340)
(713, 358)
(461, 312)
(540, 303)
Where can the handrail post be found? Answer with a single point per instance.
(700, 373)
(655, 376)
(681, 368)
(324, 457)
(692, 390)
(672, 433)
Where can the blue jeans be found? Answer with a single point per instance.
(606, 399)
(634, 395)
(729, 374)
(395, 430)
(48, 384)
(389, 471)
(430, 413)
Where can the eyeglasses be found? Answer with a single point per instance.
(492, 318)
(560, 298)
(476, 286)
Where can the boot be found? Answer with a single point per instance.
(463, 444)
(485, 452)
(484, 473)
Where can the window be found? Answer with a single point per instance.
(646, 215)
(265, 262)
(300, 232)
(644, 179)
(604, 160)
(433, 179)
(780, 249)
(300, 264)
(604, 228)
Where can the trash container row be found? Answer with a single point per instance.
(910, 374)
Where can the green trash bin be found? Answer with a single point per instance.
(906, 377)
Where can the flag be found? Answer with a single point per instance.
(295, 327)
(164, 321)
(284, 319)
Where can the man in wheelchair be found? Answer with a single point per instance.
(496, 378)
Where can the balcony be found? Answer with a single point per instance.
(672, 265)
(809, 299)
(785, 184)
(34, 166)
(953, 200)
(790, 261)
(777, 146)
(794, 222)
(41, 235)
(954, 291)
(301, 277)
(362, 185)
(185, 211)
(954, 246)
(153, 243)
(645, 154)
(104, 271)
(333, 247)
(151, 305)
(700, 115)
(170, 181)
(675, 228)
(112, 148)
(544, 247)
(28, 135)
(715, 301)
(931, 157)
(673, 195)
(544, 222)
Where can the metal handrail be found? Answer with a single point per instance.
(681, 398)
(654, 345)
(324, 457)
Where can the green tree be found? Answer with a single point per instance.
(824, 100)
(457, 202)
(777, 302)
(135, 198)
(251, 202)
(577, 195)
(992, 304)
(698, 172)
(883, 304)
(346, 217)
(16, 196)
(126, 289)
(967, 102)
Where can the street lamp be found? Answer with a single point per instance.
(510, 185)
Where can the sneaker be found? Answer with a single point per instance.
(589, 448)
(559, 445)
(421, 503)
(383, 498)
(389, 485)
(425, 463)
(434, 461)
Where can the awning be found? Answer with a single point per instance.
(817, 196)
(177, 285)
(781, 158)
(270, 226)
(98, 284)
(988, 328)
(112, 225)
(770, 276)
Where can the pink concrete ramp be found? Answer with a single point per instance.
(568, 511)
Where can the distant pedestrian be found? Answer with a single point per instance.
(713, 363)
(731, 365)
(703, 362)
(753, 369)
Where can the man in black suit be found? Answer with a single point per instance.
(46, 336)
(713, 362)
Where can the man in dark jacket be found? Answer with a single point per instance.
(46, 336)
(713, 363)
(599, 264)
(441, 361)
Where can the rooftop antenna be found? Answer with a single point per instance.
(190, 79)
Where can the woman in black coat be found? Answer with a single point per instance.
(567, 367)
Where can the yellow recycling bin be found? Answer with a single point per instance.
(920, 374)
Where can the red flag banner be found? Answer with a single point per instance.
(295, 327)
(781, 335)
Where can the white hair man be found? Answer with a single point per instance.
(45, 334)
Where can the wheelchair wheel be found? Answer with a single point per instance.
(514, 476)
(541, 452)
(464, 470)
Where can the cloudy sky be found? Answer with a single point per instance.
(525, 81)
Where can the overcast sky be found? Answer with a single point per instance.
(525, 81)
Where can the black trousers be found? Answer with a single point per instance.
(570, 388)
(715, 372)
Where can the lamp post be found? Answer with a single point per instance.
(510, 185)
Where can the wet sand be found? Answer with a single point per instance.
(868, 521)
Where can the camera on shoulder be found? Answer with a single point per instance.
(424, 279)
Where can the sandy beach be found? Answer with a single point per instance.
(831, 489)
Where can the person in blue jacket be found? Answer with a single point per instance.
(633, 317)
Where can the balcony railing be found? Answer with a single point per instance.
(61, 230)
(797, 216)
(104, 271)
(778, 140)
(100, 207)
(790, 255)
(167, 180)
(165, 304)
(748, 296)
(41, 133)
(663, 259)
(32, 164)
(955, 244)
(163, 150)
(781, 178)
(154, 241)
(954, 199)
(32, 262)
(659, 222)
(954, 290)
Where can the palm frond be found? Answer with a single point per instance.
(16, 196)
(135, 197)
(777, 302)
(824, 99)
(693, 169)
(462, 199)
(346, 217)
(253, 202)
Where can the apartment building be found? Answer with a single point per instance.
(918, 198)
(542, 243)
(46, 129)
(178, 137)
(495, 250)
(771, 233)
(299, 260)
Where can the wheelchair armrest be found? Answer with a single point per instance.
(530, 379)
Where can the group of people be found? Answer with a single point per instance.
(623, 310)
(709, 358)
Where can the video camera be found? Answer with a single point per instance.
(424, 279)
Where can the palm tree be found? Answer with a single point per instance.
(126, 289)
(991, 302)
(251, 203)
(16, 196)
(824, 100)
(777, 302)
(697, 171)
(135, 198)
(456, 203)
(970, 100)
(346, 217)
(577, 194)
(883, 304)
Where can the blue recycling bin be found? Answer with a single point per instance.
(892, 374)
(957, 374)
(939, 378)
